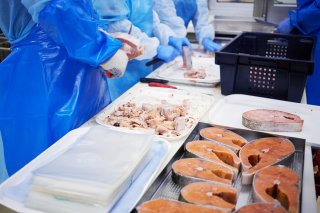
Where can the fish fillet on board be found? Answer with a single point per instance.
(261, 208)
(205, 193)
(272, 120)
(261, 153)
(277, 184)
(214, 152)
(189, 170)
(224, 137)
(171, 206)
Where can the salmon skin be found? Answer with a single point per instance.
(191, 170)
(213, 152)
(277, 184)
(205, 193)
(261, 208)
(224, 137)
(171, 206)
(272, 120)
(261, 153)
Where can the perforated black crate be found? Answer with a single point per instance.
(265, 64)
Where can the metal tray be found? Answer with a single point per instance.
(164, 187)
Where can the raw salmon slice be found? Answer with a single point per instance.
(224, 137)
(191, 170)
(171, 206)
(276, 184)
(261, 153)
(205, 193)
(213, 152)
(272, 120)
(262, 208)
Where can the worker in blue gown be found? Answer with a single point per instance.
(52, 82)
(168, 27)
(135, 18)
(306, 19)
(197, 11)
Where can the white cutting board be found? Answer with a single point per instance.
(174, 72)
(228, 112)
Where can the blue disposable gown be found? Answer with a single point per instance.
(307, 20)
(197, 12)
(166, 23)
(134, 17)
(51, 82)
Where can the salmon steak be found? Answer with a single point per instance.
(171, 206)
(277, 184)
(261, 208)
(224, 137)
(205, 193)
(261, 153)
(191, 170)
(214, 152)
(272, 120)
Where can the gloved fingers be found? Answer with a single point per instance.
(213, 47)
(186, 42)
(167, 53)
(210, 45)
(177, 43)
(116, 66)
(284, 26)
(130, 44)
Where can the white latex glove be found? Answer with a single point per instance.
(131, 45)
(116, 66)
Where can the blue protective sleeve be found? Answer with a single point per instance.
(201, 23)
(307, 18)
(111, 10)
(34, 7)
(150, 44)
(166, 21)
(73, 25)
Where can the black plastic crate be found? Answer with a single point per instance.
(265, 64)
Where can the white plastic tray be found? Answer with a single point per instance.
(21, 179)
(199, 104)
(228, 112)
(174, 71)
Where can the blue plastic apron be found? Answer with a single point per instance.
(186, 10)
(141, 16)
(44, 94)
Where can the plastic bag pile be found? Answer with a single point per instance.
(92, 174)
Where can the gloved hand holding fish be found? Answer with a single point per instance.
(130, 49)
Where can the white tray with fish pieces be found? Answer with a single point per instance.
(228, 112)
(204, 72)
(168, 113)
(164, 186)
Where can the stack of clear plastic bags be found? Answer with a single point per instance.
(91, 175)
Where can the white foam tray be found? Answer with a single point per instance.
(228, 112)
(200, 104)
(174, 71)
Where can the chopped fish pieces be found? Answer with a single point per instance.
(164, 118)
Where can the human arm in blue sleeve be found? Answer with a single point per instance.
(166, 35)
(306, 18)
(167, 53)
(285, 26)
(201, 23)
(160, 30)
(72, 24)
(150, 44)
(165, 10)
